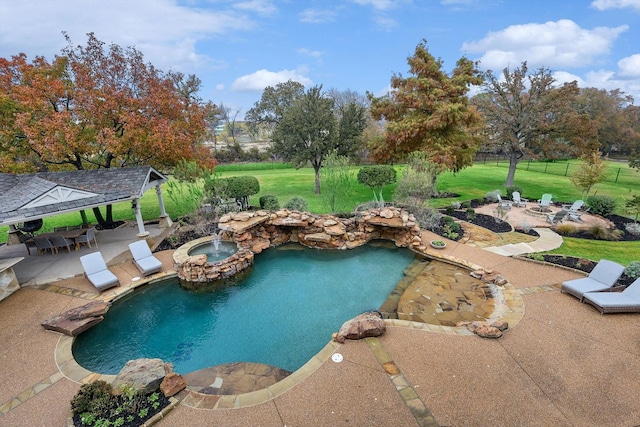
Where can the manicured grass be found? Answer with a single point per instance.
(622, 252)
(285, 182)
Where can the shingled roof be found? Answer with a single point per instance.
(32, 196)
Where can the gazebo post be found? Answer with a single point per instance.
(136, 209)
(165, 220)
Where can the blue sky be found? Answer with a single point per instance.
(237, 48)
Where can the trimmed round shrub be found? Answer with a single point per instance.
(269, 202)
(93, 397)
(297, 203)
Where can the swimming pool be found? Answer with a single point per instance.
(282, 314)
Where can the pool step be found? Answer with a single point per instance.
(389, 309)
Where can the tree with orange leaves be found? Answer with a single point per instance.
(98, 107)
(429, 111)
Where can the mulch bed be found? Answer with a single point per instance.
(485, 221)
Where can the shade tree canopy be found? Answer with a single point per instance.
(531, 113)
(429, 111)
(98, 106)
(311, 128)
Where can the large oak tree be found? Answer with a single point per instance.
(530, 112)
(429, 111)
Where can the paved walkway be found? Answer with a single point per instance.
(562, 364)
(547, 241)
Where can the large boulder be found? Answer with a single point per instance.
(78, 319)
(365, 325)
(142, 374)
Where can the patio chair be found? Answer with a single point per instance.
(627, 301)
(43, 244)
(574, 210)
(95, 269)
(544, 202)
(519, 201)
(144, 259)
(557, 217)
(504, 204)
(59, 242)
(86, 238)
(602, 278)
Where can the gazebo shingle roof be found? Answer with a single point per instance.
(108, 186)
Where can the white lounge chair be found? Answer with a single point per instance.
(627, 301)
(144, 259)
(602, 278)
(544, 202)
(574, 210)
(95, 269)
(519, 201)
(504, 204)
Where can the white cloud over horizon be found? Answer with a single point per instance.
(259, 80)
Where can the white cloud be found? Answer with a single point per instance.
(219, 86)
(137, 25)
(377, 4)
(630, 66)
(385, 23)
(616, 4)
(552, 44)
(262, 78)
(316, 16)
(264, 7)
(309, 52)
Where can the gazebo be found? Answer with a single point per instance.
(28, 198)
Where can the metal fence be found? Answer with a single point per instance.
(617, 175)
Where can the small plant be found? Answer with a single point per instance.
(455, 205)
(526, 227)
(297, 203)
(601, 232)
(438, 243)
(269, 202)
(566, 229)
(633, 228)
(143, 412)
(601, 205)
(537, 257)
(427, 218)
(500, 214)
(471, 214)
(492, 196)
(633, 206)
(633, 269)
(449, 210)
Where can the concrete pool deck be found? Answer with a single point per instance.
(563, 364)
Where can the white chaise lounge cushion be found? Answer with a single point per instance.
(97, 272)
(144, 259)
(603, 276)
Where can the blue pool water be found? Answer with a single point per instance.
(281, 315)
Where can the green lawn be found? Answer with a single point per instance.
(285, 182)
